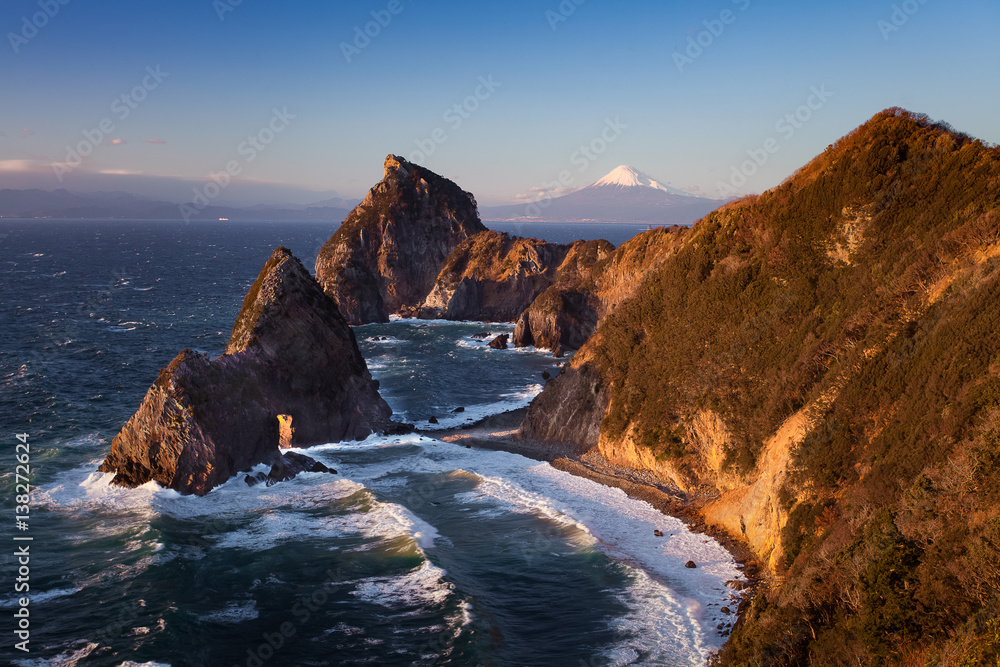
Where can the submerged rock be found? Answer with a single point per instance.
(387, 254)
(291, 353)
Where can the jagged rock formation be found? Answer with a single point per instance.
(500, 342)
(390, 249)
(820, 365)
(592, 280)
(291, 353)
(492, 277)
(569, 409)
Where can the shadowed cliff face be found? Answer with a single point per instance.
(290, 353)
(492, 277)
(390, 249)
(592, 280)
(824, 359)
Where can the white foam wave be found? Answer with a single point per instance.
(384, 340)
(37, 598)
(68, 659)
(89, 440)
(597, 517)
(234, 612)
(473, 413)
(659, 629)
(420, 588)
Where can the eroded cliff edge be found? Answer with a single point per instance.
(290, 353)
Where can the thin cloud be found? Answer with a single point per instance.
(118, 142)
(17, 165)
(155, 141)
(120, 172)
(540, 193)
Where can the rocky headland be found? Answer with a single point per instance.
(818, 369)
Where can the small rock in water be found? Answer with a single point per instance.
(468, 446)
(546, 375)
(725, 610)
(481, 335)
(658, 533)
(456, 410)
(288, 465)
(254, 480)
(690, 563)
(500, 342)
(432, 420)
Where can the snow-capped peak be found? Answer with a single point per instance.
(624, 176)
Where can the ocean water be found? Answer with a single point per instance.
(418, 552)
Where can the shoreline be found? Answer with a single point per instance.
(499, 432)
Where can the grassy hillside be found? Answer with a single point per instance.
(825, 360)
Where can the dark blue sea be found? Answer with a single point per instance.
(419, 552)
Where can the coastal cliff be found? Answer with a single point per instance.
(388, 252)
(492, 277)
(592, 280)
(819, 366)
(291, 356)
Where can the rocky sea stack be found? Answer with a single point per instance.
(390, 249)
(291, 354)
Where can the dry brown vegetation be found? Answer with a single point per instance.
(864, 292)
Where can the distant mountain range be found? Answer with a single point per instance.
(103, 205)
(623, 195)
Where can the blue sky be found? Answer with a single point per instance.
(557, 75)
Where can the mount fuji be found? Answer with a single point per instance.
(625, 194)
